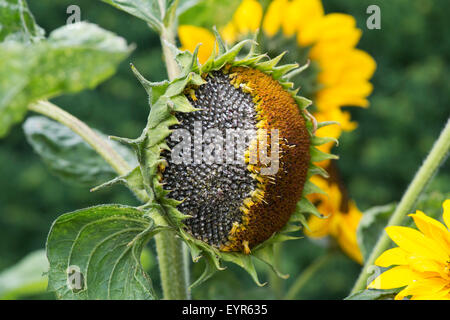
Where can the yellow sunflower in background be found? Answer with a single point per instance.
(342, 218)
(421, 261)
(338, 76)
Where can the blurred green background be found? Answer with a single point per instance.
(409, 107)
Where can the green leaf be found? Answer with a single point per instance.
(147, 10)
(73, 58)
(371, 226)
(204, 13)
(68, 155)
(94, 253)
(373, 294)
(27, 277)
(17, 23)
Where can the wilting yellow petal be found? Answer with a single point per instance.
(446, 214)
(395, 256)
(415, 242)
(274, 17)
(318, 227)
(350, 247)
(346, 225)
(247, 17)
(433, 229)
(394, 278)
(191, 36)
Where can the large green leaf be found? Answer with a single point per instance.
(17, 22)
(68, 155)
(73, 58)
(27, 277)
(94, 253)
(371, 226)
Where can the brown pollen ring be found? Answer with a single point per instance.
(277, 109)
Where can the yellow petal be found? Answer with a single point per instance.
(421, 264)
(191, 36)
(318, 227)
(446, 214)
(415, 242)
(328, 47)
(332, 26)
(394, 256)
(247, 17)
(347, 66)
(394, 278)
(433, 229)
(344, 94)
(440, 295)
(274, 17)
(300, 14)
(402, 294)
(346, 235)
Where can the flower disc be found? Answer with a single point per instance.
(236, 205)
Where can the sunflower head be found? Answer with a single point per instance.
(227, 154)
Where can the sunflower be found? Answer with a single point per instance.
(421, 261)
(227, 155)
(338, 76)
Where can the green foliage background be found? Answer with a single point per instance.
(409, 107)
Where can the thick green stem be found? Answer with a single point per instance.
(93, 139)
(431, 164)
(171, 265)
(306, 275)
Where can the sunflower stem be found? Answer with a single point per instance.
(306, 275)
(173, 265)
(426, 172)
(274, 279)
(93, 139)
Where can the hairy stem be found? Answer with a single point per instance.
(170, 256)
(93, 139)
(429, 167)
(306, 275)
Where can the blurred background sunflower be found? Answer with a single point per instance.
(408, 105)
